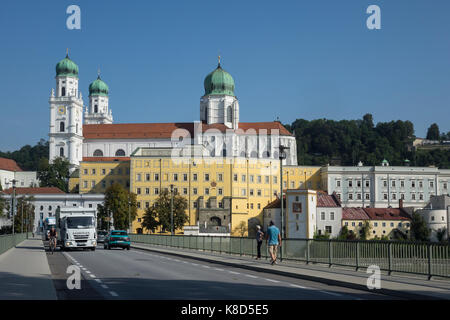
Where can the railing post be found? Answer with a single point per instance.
(211, 243)
(240, 246)
(307, 251)
(357, 255)
(390, 257)
(220, 245)
(429, 261)
(330, 253)
(203, 243)
(253, 249)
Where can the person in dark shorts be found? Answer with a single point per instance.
(259, 240)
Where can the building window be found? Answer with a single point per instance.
(220, 177)
(413, 196)
(358, 196)
(147, 190)
(367, 183)
(384, 183)
(175, 177)
(220, 191)
(385, 196)
(431, 184)
(120, 153)
(206, 176)
(156, 176)
(375, 224)
(445, 185)
(147, 177)
(252, 192)
(328, 229)
(331, 215)
(353, 224)
(63, 91)
(358, 183)
(421, 196)
(413, 184)
(207, 191)
(185, 177)
(420, 184)
(194, 191)
(61, 152)
(138, 177)
(367, 196)
(350, 196)
(259, 192)
(322, 216)
(98, 153)
(194, 177)
(350, 183)
(94, 171)
(393, 183)
(338, 183)
(402, 184)
(138, 191)
(235, 177)
(103, 171)
(394, 196)
(185, 190)
(156, 191)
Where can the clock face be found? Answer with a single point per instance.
(61, 110)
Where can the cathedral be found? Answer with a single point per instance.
(78, 131)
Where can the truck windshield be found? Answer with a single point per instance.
(80, 222)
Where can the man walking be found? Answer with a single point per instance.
(259, 240)
(274, 239)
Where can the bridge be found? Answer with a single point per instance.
(194, 267)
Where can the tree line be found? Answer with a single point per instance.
(347, 142)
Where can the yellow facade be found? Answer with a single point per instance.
(74, 184)
(97, 176)
(379, 228)
(301, 177)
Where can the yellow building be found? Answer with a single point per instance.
(98, 173)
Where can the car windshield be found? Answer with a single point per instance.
(80, 222)
(118, 233)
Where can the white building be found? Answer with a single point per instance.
(328, 214)
(219, 128)
(437, 215)
(383, 186)
(48, 199)
(9, 171)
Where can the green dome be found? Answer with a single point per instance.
(67, 67)
(98, 88)
(219, 82)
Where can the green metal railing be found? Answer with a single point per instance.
(8, 241)
(429, 259)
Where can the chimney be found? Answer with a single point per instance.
(400, 203)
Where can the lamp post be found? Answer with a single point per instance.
(129, 217)
(282, 156)
(171, 209)
(13, 205)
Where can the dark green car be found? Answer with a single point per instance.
(117, 239)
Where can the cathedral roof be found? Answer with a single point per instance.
(165, 130)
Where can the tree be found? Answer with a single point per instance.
(318, 236)
(419, 228)
(120, 204)
(28, 157)
(150, 219)
(440, 234)
(365, 230)
(55, 174)
(241, 229)
(433, 132)
(162, 207)
(24, 214)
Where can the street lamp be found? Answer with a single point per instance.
(13, 205)
(129, 218)
(171, 209)
(282, 156)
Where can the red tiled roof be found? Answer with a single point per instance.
(165, 130)
(276, 204)
(105, 159)
(9, 165)
(354, 214)
(39, 190)
(386, 214)
(325, 200)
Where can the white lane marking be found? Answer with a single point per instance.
(250, 276)
(98, 280)
(332, 293)
(276, 281)
(233, 272)
(218, 269)
(92, 276)
(86, 270)
(104, 286)
(297, 286)
(194, 264)
(113, 294)
(207, 267)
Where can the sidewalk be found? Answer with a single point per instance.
(404, 286)
(25, 274)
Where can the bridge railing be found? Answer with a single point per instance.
(431, 259)
(8, 241)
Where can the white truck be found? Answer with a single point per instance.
(76, 227)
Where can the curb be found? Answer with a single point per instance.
(388, 292)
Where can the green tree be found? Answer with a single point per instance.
(54, 174)
(318, 236)
(120, 204)
(150, 219)
(162, 207)
(365, 230)
(440, 234)
(419, 228)
(28, 157)
(433, 132)
(24, 213)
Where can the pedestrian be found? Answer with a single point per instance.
(274, 240)
(259, 240)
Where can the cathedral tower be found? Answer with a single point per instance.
(98, 111)
(66, 111)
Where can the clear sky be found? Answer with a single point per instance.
(292, 59)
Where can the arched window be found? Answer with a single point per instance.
(120, 153)
(229, 114)
(95, 108)
(63, 91)
(254, 154)
(215, 221)
(61, 127)
(98, 153)
(61, 152)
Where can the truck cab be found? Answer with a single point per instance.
(76, 228)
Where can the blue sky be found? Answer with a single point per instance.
(291, 59)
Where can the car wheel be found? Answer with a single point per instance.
(128, 248)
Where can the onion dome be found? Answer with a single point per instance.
(98, 88)
(67, 67)
(219, 82)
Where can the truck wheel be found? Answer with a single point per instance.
(93, 248)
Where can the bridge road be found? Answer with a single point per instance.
(138, 274)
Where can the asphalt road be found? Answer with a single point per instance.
(138, 274)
